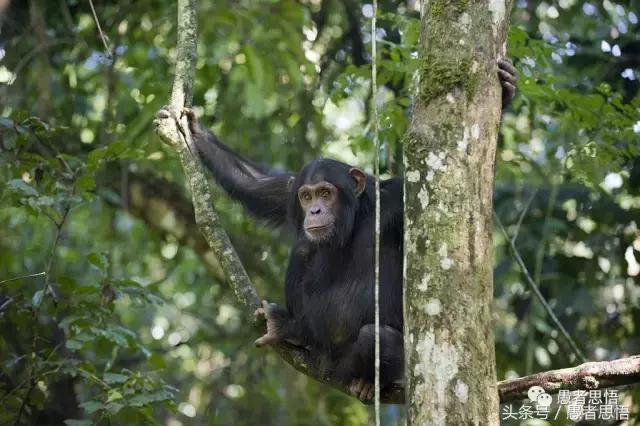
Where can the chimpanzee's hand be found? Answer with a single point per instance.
(194, 124)
(508, 76)
(167, 124)
(276, 319)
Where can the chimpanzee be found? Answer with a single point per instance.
(329, 295)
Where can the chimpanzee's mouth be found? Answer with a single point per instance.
(319, 227)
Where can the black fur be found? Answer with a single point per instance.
(329, 284)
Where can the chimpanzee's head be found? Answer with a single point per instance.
(325, 200)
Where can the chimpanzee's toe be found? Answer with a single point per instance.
(356, 387)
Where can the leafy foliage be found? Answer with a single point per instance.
(112, 310)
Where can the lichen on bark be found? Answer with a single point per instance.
(441, 75)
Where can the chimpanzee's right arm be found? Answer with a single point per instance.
(263, 191)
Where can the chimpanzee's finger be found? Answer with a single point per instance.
(264, 340)
(163, 113)
(506, 65)
(506, 77)
(356, 387)
(372, 392)
(508, 90)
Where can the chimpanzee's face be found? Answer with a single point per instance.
(326, 195)
(319, 202)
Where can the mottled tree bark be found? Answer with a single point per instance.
(449, 156)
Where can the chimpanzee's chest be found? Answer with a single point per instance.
(337, 301)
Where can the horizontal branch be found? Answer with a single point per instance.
(587, 376)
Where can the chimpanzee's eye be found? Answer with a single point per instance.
(306, 196)
(325, 194)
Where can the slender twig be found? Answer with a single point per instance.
(6, 302)
(376, 168)
(93, 377)
(11, 392)
(537, 272)
(56, 153)
(536, 291)
(23, 405)
(545, 233)
(102, 35)
(523, 214)
(46, 288)
(39, 274)
(108, 113)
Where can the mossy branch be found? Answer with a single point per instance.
(174, 131)
(587, 376)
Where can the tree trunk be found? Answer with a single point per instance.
(449, 156)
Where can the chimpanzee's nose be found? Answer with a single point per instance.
(315, 210)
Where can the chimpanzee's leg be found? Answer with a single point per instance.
(357, 365)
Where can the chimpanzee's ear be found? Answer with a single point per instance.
(360, 178)
(290, 183)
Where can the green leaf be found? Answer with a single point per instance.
(98, 260)
(113, 336)
(36, 124)
(113, 378)
(84, 337)
(114, 395)
(148, 398)
(114, 149)
(9, 138)
(91, 406)
(73, 345)
(7, 123)
(18, 185)
(95, 156)
(36, 300)
(114, 407)
(71, 319)
(86, 183)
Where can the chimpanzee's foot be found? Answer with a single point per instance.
(272, 335)
(362, 389)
